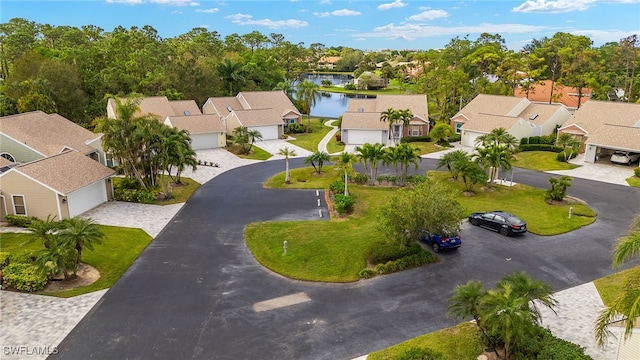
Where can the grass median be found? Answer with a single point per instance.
(540, 161)
(334, 251)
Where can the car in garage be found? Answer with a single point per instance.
(624, 157)
(503, 222)
(439, 242)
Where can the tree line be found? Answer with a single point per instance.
(70, 70)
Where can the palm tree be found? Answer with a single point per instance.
(465, 301)
(308, 95)
(390, 116)
(559, 187)
(240, 136)
(288, 87)
(441, 132)
(79, 234)
(471, 172)
(231, 73)
(44, 230)
(532, 290)
(392, 157)
(319, 157)
(408, 155)
(626, 306)
(57, 258)
(493, 157)
(253, 135)
(568, 141)
(498, 137)
(371, 156)
(346, 160)
(286, 152)
(450, 159)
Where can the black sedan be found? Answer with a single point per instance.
(500, 221)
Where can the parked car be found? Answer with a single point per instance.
(624, 157)
(503, 222)
(438, 242)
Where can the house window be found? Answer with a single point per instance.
(458, 128)
(8, 157)
(416, 130)
(19, 207)
(396, 131)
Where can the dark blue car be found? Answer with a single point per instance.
(438, 242)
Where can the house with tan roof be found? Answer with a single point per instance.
(35, 135)
(604, 127)
(361, 122)
(206, 131)
(543, 91)
(265, 111)
(520, 117)
(63, 185)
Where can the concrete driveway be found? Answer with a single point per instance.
(195, 291)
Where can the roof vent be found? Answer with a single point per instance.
(533, 116)
(637, 124)
(360, 109)
(186, 112)
(229, 108)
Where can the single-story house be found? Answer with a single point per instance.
(63, 185)
(520, 117)
(370, 81)
(362, 123)
(35, 135)
(265, 111)
(206, 131)
(565, 95)
(604, 127)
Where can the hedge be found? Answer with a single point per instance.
(540, 147)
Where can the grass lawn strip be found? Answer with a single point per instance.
(256, 154)
(120, 248)
(540, 161)
(310, 141)
(634, 181)
(609, 286)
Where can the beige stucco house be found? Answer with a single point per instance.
(605, 126)
(361, 122)
(265, 111)
(520, 117)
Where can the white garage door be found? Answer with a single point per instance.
(86, 198)
(469, 138)
(359, 137)
(204, 141)
(268, 132)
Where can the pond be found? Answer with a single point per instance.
(332, 105)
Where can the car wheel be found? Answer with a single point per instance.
(504, 231)
(474, 222)
(436, 247)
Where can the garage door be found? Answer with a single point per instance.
(268, 132)
(204, 141)
(86, 198)
(469, 138)
(359, 137)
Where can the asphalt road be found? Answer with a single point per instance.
(190, 293)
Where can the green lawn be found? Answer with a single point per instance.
(333, 251)
(119, 250)
(388, 91)
(540, 161)
(256, 154)
(181, 193)
(460, 342)
(427, 147)
(311, 140)
(609, 286)
(634, 181)
(333, 146)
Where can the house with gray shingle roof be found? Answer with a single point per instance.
(604, 127)
(361, 122)
(518, 116)
(266, 111)
(63, 185)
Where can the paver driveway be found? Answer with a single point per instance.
(192, 292)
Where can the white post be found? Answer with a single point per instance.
(285, 245)
(570, 211)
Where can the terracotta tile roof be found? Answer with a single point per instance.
(185, 107)
(66, 172)
(484, 123)
(197, 124)
(47, 134)
(542, 92)
(363, 121)
(490, 104)
(259, 117)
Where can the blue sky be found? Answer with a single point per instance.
(366, 25)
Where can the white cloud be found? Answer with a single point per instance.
(415, 31)
(345, 12)
(322, 14)
(244, 19)
(603, 36)
(429, 15)
(393, 5)
(209, 11)
(325, 2)
(553, 6)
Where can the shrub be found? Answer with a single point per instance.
(409, 139)
(344, 204)
(337, 187)
(565, 157)
(455, 137)
(534, 140)
(548, 139)
(24, 277)
(636, 171)
(23, 257)
(543, 345)
(360, 178)
(540, 147)
(136, 196)
(5, 258)
(19, 220)
(366, 273)
(415, 179)
(524, 141)
(350, 86)
(128, 183)
(416, 353)
(380, 252)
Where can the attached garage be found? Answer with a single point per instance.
(469, 137)
(269, 132)
(359, 137)
(204, 141)
(86, 198)
(205, 131)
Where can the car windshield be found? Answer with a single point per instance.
(515, 220)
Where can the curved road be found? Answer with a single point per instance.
(191, 292)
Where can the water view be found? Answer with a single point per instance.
(332, 105)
